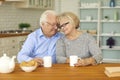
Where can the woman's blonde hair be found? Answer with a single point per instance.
(71, 16)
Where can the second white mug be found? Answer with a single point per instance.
(73, 60)
(47, 61)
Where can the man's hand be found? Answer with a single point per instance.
(39, 61)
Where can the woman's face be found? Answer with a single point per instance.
(66, 26)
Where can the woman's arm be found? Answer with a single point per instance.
(95, 52)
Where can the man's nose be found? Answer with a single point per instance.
(55, 27)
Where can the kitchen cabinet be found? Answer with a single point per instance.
(11, 45)
(40, 4)
(97, 15)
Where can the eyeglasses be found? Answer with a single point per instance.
(63, 25)
(51, 24)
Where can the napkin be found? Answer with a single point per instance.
(112, 71)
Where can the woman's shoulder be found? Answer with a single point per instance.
(86, 36)
(62, 37)
(89, 34)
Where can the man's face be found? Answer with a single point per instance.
(49, 27)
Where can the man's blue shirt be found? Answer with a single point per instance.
(38, 45)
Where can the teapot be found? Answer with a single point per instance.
(7, 64)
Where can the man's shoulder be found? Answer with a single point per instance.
(36, 32)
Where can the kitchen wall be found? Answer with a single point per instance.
(67, 5)
(10, 16)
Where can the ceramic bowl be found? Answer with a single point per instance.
(28, 69)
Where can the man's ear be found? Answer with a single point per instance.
(42, 24)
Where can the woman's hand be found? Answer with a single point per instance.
(85, 62)
(81, 62)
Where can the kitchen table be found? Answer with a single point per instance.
(62, 72)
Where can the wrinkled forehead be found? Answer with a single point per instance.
(52, 18)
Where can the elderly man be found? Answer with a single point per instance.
(41, 42)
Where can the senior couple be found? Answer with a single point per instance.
(49, 41)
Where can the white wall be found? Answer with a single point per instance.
(69, 5)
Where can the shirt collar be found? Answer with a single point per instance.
(42, 35)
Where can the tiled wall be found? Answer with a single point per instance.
(72, 6)
(10, 17)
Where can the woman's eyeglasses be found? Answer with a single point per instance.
(63, 25)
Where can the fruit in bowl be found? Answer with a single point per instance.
(28, 66)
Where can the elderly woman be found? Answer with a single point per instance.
(76, 42)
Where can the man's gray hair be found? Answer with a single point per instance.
(44, 15)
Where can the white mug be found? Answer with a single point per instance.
(73, 60)
(47, 61)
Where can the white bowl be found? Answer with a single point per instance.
(28, 69)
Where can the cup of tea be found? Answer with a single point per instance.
(73, 60)
(47, 61)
